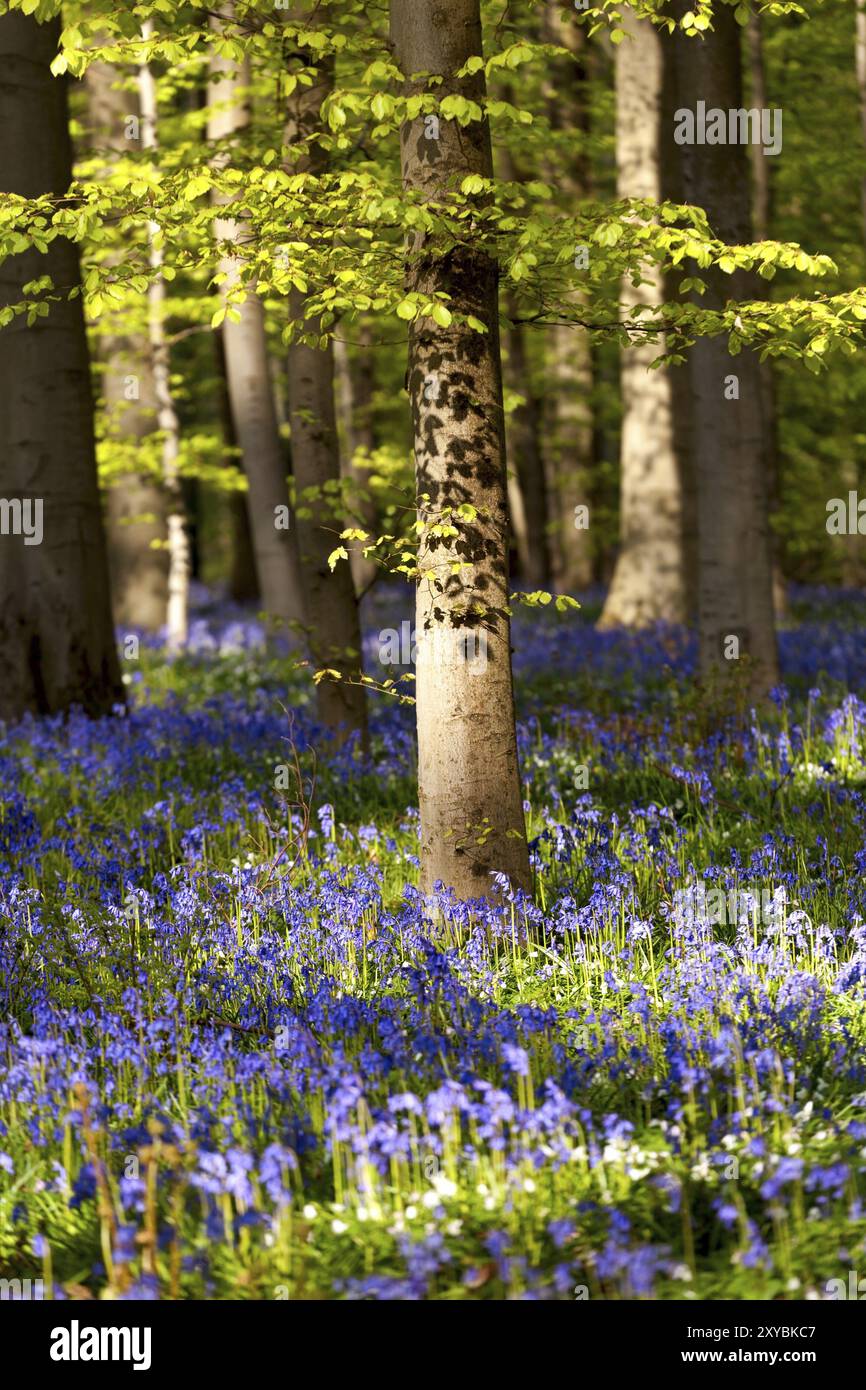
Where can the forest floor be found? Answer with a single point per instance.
(242, 1059)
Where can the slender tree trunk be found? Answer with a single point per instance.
(860, 70)
(333, 625)
(355, 385)
(649, 579)
(673, 191)
(527, 483)
(568, 428)
(852, 561)
(525, 430)
(243, 579)
(135, 503)
(761, 212)
(735, 601)
(192, 497)
(472, 822)
(56, 642)
(248, 373)
(179, 565)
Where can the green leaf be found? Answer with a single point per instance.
(196, 186)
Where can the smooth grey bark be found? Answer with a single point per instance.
(649, 580)
(56, 641)
(331, 611)
(472, 823)
(735, 598)
(355, 387)
(135, 504)
(179, 559)
(248, 372)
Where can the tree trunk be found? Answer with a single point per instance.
(680, 376)
(333, 626)
(56, 642)
(135, 503)
(248, 374)
(527, 483)
(735, 601)
(524, 429)
(761, 212)
(568, 428)
(355, 390)
(179, 564)
(852, 558)
(472, 824)
(649, 579)
(860, 70)
(243, 579)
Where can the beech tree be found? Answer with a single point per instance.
(528, 498)
(135, 502)
(178, 541)
(528, 491)
(735, 599)
(247, 366)
(472, 824)
(56, 641)
(331, 612)
(762, 168)
(569, 402)
(355, 386)
(649, 580)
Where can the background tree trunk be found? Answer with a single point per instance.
(332, 620)
(56, 640)
(735, 581)
(469, 784)
(761, 213)
(248, 373)
(568, 427)
(355, 382)
(243, 578)
(527, 482)
(135, 504)
(860, 72)
(524, 430)
(649, 578)
(852, 558)
(179, 564)
(672, 189)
